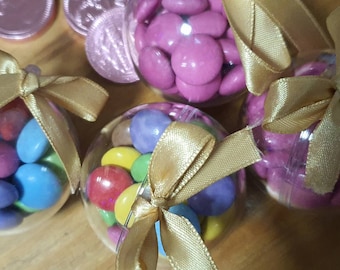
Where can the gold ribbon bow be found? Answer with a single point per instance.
(185, 161)
(268, 33)
(293, 104)
(75, 94)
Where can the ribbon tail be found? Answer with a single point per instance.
(323, 166)
(234, 153)
(263, 51)
(139, 250)
(57, 132)
(75, 94)
(179, 239)
(8, 64)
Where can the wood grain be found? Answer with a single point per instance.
(269, 236)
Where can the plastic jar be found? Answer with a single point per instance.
(115, 168)
(282, 169)
(184, 50)
(33, 182)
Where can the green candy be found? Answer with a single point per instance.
(108, 217)
(139, 169)
(52, 161)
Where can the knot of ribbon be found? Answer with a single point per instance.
(186, 160)
(268, 34)
(78, 95)
(267, 39)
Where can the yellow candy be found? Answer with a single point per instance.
(215, 225)
(124, 202)
(123, 156)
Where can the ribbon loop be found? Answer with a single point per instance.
(185, 160)
(83, 99)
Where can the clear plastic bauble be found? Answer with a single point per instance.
(33, 182)
(116, 165)
(184, 50)
(282, 169)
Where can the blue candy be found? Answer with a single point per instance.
(8, 194)
(215, 199)
(9, 218)
(38, 186)
(32, 143)
(146, 127)
(180, 210)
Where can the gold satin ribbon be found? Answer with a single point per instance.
(78, 95)
(186, 160)
(293, 104)
(268, 33)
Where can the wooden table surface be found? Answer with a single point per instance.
(269, 236)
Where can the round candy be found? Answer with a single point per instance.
(108, 217)
(9, 218)
(164, 31)
(32, 143)
(13, 117)
(155, 67)
(8, 194)
(124, 203)
(199, 93)
(214, 226)
(180, 210)
(208, 22)
(116, 233)
(215, 199)
(231, 55)
(9, 161)
(147, 126)
(53, 161)
(38, 186)
(185, 7)
(121, 134)
(197, 59)
(145, 8)
(105, 184)
(139, 169)
(122, 156)
(233, 82)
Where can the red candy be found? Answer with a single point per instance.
(105, 184)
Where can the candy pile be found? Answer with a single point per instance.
(185, 49)
(283, 165)
(31, 174)
(120, 168)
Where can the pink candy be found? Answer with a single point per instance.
(184, 49)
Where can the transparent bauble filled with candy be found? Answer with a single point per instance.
(33, 181)
(283, 167)
(115, 171)
(184, 50)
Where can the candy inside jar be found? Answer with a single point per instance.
(184, 50)
(33, 183)
(115, 171)
(283, 167)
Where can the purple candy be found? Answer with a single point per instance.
(197, 59)
(155, 67)
(311, 68)
(164, 31)
(233, 82)
(215, 199)
(185, 7)
(8, 194)
(147, 126)
(9, 218)
(9, 160)
(216, 5)
(140, 36)
(145, 9)
(231, 55)
(199, 93)
(208, 22)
